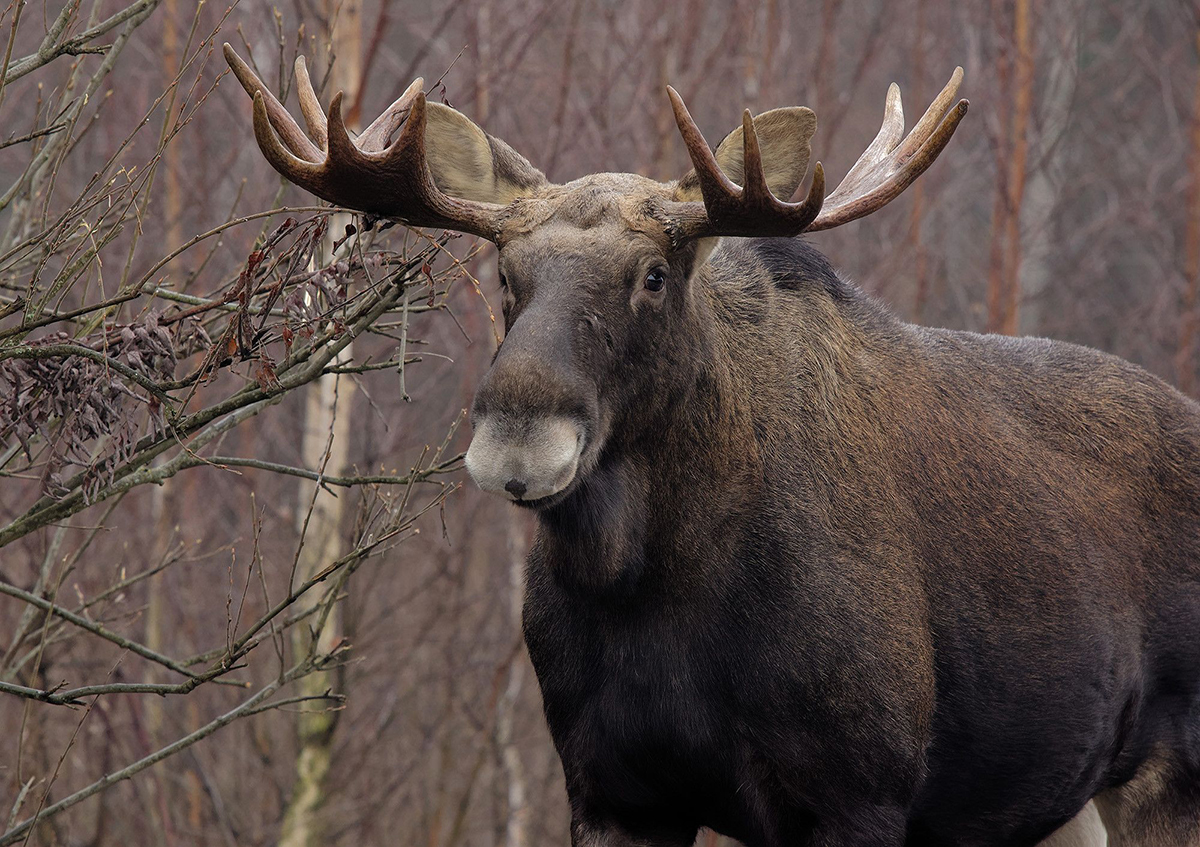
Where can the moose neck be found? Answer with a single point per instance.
(667, 495)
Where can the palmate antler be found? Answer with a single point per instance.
(394, 180)
(363, 173)
(882, 172)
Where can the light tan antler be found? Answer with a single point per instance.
(889, 165)
(885, 169)
(366, 173)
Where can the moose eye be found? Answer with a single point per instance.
(655, 280)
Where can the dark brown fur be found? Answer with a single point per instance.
(833, 579)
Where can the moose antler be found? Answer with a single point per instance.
(366, 173)
(887, 167)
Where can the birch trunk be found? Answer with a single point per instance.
(325, 442)
(516, 825)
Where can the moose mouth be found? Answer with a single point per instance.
(547, 501)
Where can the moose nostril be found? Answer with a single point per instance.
(515, 487)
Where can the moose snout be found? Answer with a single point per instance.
(524, 460)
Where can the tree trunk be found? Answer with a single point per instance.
(1004, 261)
(1022, 104)
(172, 158)
(995, 289)
(326, 427)
(516, 824)
(1058, 81)
(920, 260)
(325, 442)
(1184, 366)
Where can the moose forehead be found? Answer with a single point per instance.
(601, 210)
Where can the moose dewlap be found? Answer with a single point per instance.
(805, 574)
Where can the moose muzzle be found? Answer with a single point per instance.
(536, 409)
(524, 460)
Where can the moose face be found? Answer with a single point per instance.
(592, 297)
(600, 317)
(600, 310)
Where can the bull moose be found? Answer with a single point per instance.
(804, 574)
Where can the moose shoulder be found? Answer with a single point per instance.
(805, 574)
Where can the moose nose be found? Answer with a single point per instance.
(516, 487)
(524, 458)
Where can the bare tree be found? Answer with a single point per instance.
(108, 388)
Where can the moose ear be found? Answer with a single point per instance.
(784, 137)
(469, 164)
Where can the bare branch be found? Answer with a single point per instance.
(17, 832)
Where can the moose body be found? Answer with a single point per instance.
(804, 574)
(867, 579)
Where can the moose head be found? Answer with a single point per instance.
(603, 322)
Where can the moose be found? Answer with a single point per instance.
(804, 574)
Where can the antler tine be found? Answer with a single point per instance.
(406, 166)
(342, 149)
(291, 134)
(310, 106)
(875, 181)
(889, 165)
(713, 182)
(935, 144)
(407, 159)
(932, 117)
(781, 218)
(755, 190)
(815, 200)
(375, 136)
(890, 133)
(299, 171)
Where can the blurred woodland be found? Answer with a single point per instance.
(247, 596)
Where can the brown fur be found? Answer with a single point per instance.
(999, 539)
(969, 511)
(823, 577)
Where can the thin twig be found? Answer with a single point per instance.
(16, 833)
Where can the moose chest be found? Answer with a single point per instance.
(631, 702)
